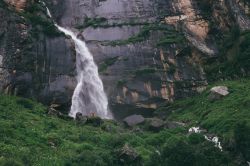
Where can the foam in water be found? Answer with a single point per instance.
(89, 97)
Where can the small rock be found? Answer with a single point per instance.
(218, 92)
(80, 36)
(156, 124)
(93, 120)
(134, 120)
(128, 155)
(53, 111)
(80, 118)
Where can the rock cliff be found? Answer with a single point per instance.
(147, 51)
(36, 60)
(140, 56)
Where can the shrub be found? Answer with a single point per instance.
(25, 103)
(242, 138)
(106, 63)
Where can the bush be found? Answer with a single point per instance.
(91, 158)
(234, 61)
(35, 15)
(196, 139)
(92, 22)
(107, 62)
(25, 103)
(205, 7)
(242, 139)
(179, 153)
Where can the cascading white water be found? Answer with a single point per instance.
(89, 97)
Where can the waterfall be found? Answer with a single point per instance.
(89, 97)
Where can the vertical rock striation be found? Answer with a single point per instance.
(34, 61)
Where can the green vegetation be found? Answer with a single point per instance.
(92, 22)
(172, 68)
(28, 136)
(229, 118)
(170, 36)
(219, 117)
(35, 15)
(145, 71)
(233, 61)
(46, 25)
(205, 7)
(2, 4)
(171, 39)
(121, 83)
(145, 34)
(190, 151)
(103, 23)
(106, 63)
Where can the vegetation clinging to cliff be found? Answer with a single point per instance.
(233, 61)
(36, 15)
(170, 35)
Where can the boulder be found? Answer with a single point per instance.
(134, 120)
(128, 155)
(156, 124)
(221, 90)
(80, 118)
(93, 120)
(218, 92)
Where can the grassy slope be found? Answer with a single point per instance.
(29, 136)
(229, 118)
(219, 117)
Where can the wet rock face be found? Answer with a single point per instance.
(124, 38)
(38, 66)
